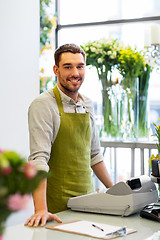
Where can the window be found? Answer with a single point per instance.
(122, 19)
(79, 22)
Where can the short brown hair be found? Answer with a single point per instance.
(73, 48)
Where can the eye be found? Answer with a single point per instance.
(80, 67)
(67, 67)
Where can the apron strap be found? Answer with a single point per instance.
(58, 99)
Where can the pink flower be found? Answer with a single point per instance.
(30, 170)
(6, 170)
(18, 202)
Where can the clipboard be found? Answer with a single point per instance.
(86, 228)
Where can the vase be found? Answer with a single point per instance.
(116, 110)
(144, 124)
(120, 105)
(110, 112)
(110, 103)
(130, 108)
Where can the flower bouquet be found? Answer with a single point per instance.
(103, 54)
(130, 64)
(120, 101)
(18, 179)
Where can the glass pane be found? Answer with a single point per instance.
(103, 10)
(130, 33)
(127, 33)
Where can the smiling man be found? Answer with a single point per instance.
(70, 73)
(64, 138)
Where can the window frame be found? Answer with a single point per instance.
(88, 24)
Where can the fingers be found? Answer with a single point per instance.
(41, 218)
(54, 217)
(28, 220)
(35, 220)
(43, 221)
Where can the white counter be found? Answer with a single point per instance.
(145, 228)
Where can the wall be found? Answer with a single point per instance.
(19, 80)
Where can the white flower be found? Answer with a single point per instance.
(109, 53)
(93, 49)
(98, 45)
(100, 60)
(113, 55)
(150, 61)
(86, 48)
(99, 50)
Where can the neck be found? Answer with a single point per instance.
(73, 95)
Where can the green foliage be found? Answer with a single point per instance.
(46, 23)
(44, 83)
(17, 176)
(102, 52)
(130, 62)
(18, 179)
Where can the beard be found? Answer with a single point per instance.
(65, 84)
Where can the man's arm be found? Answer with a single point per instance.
(102, 173)
(41, 214)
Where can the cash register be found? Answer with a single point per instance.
(124, 198)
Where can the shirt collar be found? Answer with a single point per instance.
(69, 100)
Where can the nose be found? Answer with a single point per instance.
(75, 72)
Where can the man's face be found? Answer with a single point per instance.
(70, 73)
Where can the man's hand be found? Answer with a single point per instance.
(41, 217)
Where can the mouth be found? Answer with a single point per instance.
(74, 80)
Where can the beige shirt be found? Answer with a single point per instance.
(44, 123)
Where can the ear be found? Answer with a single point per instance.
(55, 70)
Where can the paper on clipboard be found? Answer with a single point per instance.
(85, 228)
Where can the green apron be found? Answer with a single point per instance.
(70, 159)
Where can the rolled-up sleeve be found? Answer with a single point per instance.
(96, 159)
(96, 154)
(41, 133)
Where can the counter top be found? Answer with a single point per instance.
(145, 227)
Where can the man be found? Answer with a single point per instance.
(63, 138)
